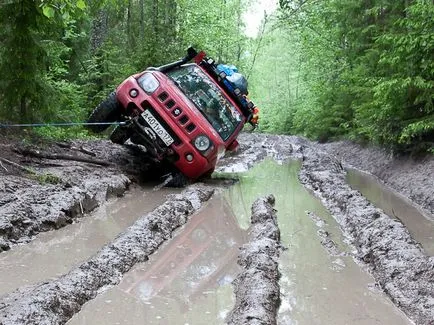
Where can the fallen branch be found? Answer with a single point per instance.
(81, 148)
(86, 151)
(43, 164)
(1, 164)
(26, 169)
(39, 154)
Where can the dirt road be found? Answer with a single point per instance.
(51, 186)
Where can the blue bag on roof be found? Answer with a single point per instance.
(236, 79)
(228, 69)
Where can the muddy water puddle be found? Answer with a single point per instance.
(419, 224)
(316, 288)
(54, 253)
(188, 281)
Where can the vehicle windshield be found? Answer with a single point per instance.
(208, 98)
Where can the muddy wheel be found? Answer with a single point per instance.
(107, 111)
(137, 139)
(120, 135)
(178, 180)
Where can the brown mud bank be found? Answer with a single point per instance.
(56, 301)
(47, 187)
(397, 262)
(413, 178)
(257, 292)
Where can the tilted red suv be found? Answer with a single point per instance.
(186, 113)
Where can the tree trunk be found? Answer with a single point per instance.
(239, 21)
(142, 20)
(129, 31)
(99, 30)
(155, 21)
(23, 109)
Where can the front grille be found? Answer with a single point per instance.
(190, 127)
(183, 119)
(163, 96)
(163, 123)
(170, 104)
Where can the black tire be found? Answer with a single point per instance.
(107, 111)
(120, 134)
(137, 139)
(178, 180)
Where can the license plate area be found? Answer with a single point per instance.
(157, 127)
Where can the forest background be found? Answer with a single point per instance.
(325, 69)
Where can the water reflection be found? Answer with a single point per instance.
(188, 280)
(54, 253)
(199, 258)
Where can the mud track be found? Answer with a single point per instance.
(383, 244)
(39, 194)
(257, 295)
(56, 192)
(395, 259)
(412, 178)
(55, 302)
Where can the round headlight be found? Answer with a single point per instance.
(202, 143)
(134, 93)
(148, 82)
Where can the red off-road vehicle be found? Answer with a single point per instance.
(188, 114)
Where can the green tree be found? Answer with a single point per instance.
(365, 67)
(22, 60)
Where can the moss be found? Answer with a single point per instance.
(45, 178)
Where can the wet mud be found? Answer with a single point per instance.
(257, 291)
(54, 302)
(65, 190)
(411, 177)
(187, 281)
(326, 241)
(311, 276)
(44, 194)
(397, 262)
(418, 222)
(54, 253)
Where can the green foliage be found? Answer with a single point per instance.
(60, 58)
(63, 133)
(22, 60)
(363, 70)
(46, 178)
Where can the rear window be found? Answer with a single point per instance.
(208, 98)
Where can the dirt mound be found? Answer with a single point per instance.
(414, 178)
(47, 187)
(257, 295)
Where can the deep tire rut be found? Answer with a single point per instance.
(56, 301)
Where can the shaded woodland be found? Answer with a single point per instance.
(361, 70)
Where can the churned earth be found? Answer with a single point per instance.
(48, 186)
